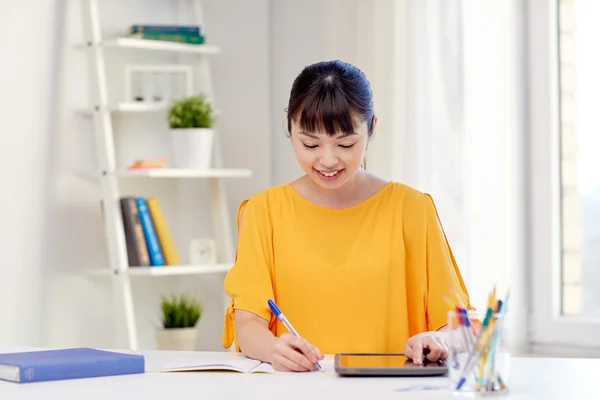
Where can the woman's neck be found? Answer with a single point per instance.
(356, 190)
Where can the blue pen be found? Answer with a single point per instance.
(279, 315)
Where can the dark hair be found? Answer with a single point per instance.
(330, 96)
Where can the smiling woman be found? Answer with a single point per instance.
(342, 238)
(331, 112)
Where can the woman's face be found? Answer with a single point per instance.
(330, 161)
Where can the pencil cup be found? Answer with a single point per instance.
(478, 357)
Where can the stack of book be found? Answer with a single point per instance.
(149, 241)
(190, 34)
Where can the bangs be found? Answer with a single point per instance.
(326, 110)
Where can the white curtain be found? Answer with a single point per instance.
(413, 53)
(449, 92)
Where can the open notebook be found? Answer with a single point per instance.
(243, 365)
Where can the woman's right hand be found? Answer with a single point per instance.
(294, 354)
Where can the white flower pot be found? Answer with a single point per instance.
(192, 147)
(177, 339)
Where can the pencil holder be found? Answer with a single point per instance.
(478, 358)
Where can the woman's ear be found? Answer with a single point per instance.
(373, 127)
(286, 126)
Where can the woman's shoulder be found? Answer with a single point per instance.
(269, 194)
(418, 209)
(415, 207)
(267, 198)
(406, 195)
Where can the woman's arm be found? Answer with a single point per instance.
(253, 336)
(287, 353)
(249, 283)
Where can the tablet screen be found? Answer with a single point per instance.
(379, 361)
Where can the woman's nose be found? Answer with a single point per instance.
(328, 159)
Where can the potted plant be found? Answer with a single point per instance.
(179, 317)
(191, 121)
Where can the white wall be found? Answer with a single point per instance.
(292, 47)
(26, 126)
(51, 218)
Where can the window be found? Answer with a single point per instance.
(564, 180)
(580, 144)
(570, 205)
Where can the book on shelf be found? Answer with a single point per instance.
(165, 239)
(154, 249)
(169, 37)
(147, 235)
(165, 28)
(189, 34)
(137, 251)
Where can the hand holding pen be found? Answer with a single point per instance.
(291, 352)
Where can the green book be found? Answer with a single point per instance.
(169, 37)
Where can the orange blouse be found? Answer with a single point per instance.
(360, 279)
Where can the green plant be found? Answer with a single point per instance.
(191, 112)
(180, 312)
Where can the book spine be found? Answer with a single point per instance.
(168, 37)
(162, 230)
(41, 373)
(137, 248)
(153, 245)
(189, 29)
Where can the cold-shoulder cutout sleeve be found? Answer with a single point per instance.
(443, 275)
(249, 283)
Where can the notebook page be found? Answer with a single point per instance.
(238, 365)
(267, 368)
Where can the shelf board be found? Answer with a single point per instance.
(137, 107)
(158, 45)
(168, 270)
(184, 173)
(173, 173)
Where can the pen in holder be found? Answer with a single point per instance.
(479, 358)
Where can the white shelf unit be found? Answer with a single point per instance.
(133, 107)
(155, 45)
(182, 173)
(171, 270)
(185, 173)
(110, 176)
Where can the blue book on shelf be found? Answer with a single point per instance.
(179, 29)
(61, 364)
(154, 250)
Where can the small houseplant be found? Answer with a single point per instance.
(180, 314)
(191, 120)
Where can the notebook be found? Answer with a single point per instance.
(60, 364)
(237, 364)
(243, 365)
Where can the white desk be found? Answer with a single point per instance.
(531, 379)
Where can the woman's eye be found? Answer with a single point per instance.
(346, 146)
(309, 147)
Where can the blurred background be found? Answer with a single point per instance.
(490, 106)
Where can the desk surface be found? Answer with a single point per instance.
(531, 379)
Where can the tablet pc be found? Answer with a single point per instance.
(385, 364)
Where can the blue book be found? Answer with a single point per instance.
(61, 364)
(176, 29)
(154, 250)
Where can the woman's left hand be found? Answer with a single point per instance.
(431, 345)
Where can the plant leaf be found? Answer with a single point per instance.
(191, 112)
(180, 311)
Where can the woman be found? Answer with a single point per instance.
(356, 263)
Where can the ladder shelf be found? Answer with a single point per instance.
(109, 175)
